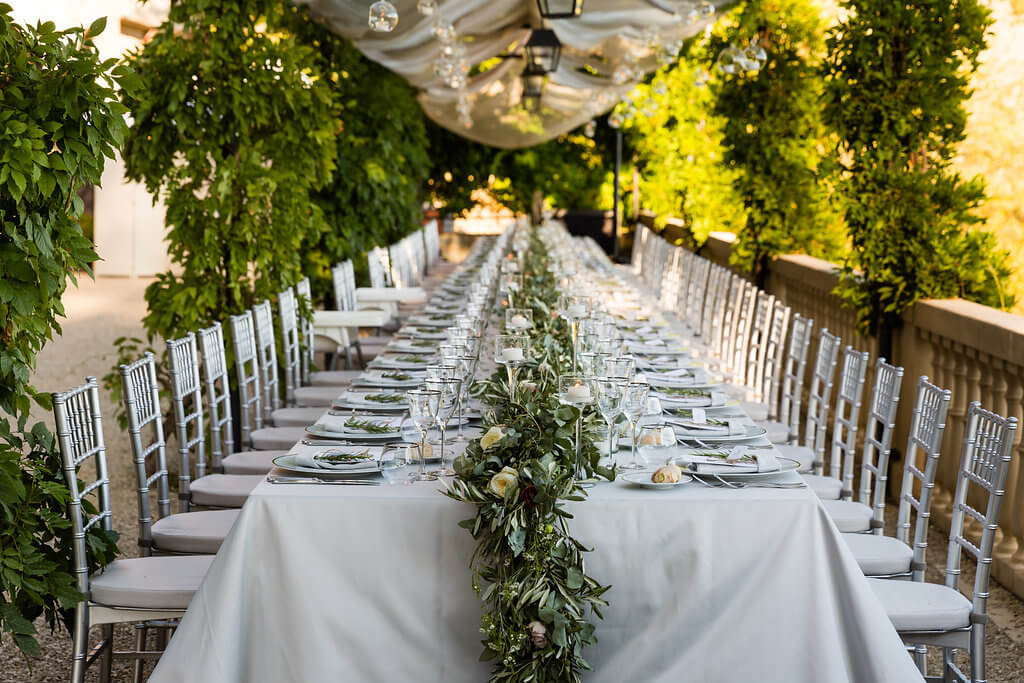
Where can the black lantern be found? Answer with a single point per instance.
(533, 83)
(542, 50)
(560, 9)
(531, 103)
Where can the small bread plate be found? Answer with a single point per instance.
(642, 478)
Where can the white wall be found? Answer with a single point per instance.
(129, 230)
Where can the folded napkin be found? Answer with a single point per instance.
(733, 427)
(740, 459)
(306, 456)
(336, 423)
(359, 397)
(701, 401)
(672, 381)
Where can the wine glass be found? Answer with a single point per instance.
(609, 403)
(620, 366)
(449, 390)
(423, 408)
(512, 351)
(518, 320)
(576, 391)
(395, 460)
(655, 442)
(440, 371)
(634, 404)
(467, 369)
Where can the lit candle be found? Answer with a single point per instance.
(512, 355)
(519, 322)
(578, 393)
(576, 311)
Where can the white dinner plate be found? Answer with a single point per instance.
(785, 465)
(287, 462)
(642, 478)
(347, 402)
(392, 363)
(321, 432)
(427, 333)
(750, 432)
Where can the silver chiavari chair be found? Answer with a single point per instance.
(696, 295)
(379, 263)
(243, 338)
(811, 453)
(187, 532)
(867, 513)
(849, 398)
(142, 589)
(748, 382)
(288, 320)
(266, 357)
(940, 615)
(673, 276)
(304, 300)
(639, 244)
(769, 386)
(786, 428)
(218, 393)
(739, 338)
(902, 556)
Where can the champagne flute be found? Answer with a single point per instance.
(609, 403)
(576, 391)
(449, 390)
(634, 404)
(423, 407)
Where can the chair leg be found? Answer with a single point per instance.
(80, 643)
(947, 664)
(107, 654)
(141, 633)
(359, 354)
(978, 653)
(921, 659)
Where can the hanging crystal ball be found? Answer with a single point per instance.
(731, 59)
(590, 128)
(615, 120)
(426, 7)
(383, 17)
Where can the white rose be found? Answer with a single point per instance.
(493, 436)
(530, 386)
(502, 481)
(538, 634)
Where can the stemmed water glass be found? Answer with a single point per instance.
(620, 366)
(467, 370)
(574, 308)
(512, 351)
(423, 408)
(450, 391)
(634, 405)
(609, 403)
(576, 391)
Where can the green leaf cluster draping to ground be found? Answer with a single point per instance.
(59, 122)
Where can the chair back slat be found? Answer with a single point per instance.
(849, 397)
(289, 343)
(266, 352)
(218, 394)
(757, 348)
(885, 398)
(79, 428)
(819, 397)
(928, 422)
(304, 311)
(984, 462)
(247, 369)
(775, 359)
(739, 339)
(140, 393)
(793, 374)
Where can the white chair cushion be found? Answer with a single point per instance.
(277, 438)
(194, 532)
(317, 397)
(251, 462)
(880, 555)
(777, 432)
(296, 417)
(849, 516)
(916, 606)
(150, 582)
(755, 410)
(223, 490)
(333, 378)
(827, 488)
(802, 454)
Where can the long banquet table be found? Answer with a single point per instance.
(353, 583)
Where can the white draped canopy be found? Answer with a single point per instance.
(608, 34)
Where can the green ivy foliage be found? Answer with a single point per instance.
(773, 134)
(678, 150)
(374, 195)
(59, 120)
(234, 131)
(897, 78)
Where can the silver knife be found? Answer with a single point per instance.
(317, 480)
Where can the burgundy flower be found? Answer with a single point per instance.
(527, 495)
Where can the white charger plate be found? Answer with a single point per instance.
(750, 432)
(321, 432)
(642, 478)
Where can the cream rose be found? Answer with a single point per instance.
(493, 436)
(669, 474)
(529, 386)
(503, 481)
(538, 634)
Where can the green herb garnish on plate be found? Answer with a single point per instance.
(342, 458)
(424, 344)
(677, 391)
(385, 398)
(411, 359)
(397, 376)
(370, 426)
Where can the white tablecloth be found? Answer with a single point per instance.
(346, 583)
